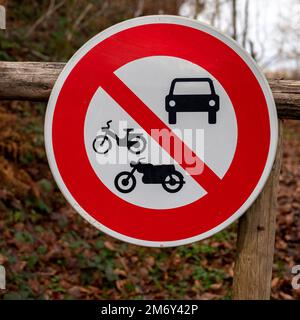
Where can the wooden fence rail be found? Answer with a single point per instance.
(33, 81)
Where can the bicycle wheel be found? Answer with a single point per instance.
(125, 182)
(139, 146)
(102, 144)
(173, 182)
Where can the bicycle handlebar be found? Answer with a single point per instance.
(107, 125)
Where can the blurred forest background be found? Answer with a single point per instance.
(48, 250)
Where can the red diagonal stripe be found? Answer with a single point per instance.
(148, 120)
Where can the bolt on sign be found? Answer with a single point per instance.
(161, 131)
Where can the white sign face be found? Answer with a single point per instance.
(214, 144)
(161, 131)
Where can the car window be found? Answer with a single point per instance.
(192, 87)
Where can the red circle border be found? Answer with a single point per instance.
(253, 132)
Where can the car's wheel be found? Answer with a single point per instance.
(212, 117)
(172, 117)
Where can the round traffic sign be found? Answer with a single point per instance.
(161, 131)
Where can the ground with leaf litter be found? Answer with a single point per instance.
(50, 252)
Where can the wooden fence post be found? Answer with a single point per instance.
(256, 239)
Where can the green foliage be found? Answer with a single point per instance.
(32, 261)
(208, 277)
(46, 185)
(24, 237)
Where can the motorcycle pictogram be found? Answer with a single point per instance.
(166, 175)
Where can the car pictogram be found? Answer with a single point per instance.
(192, 95)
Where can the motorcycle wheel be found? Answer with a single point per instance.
(125, 182)
(102, 144)
(173, 182)
(139, 146)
